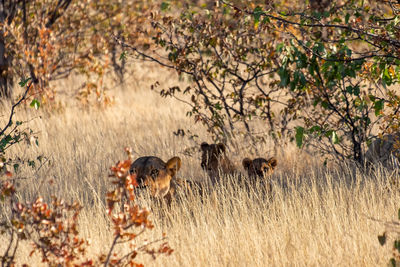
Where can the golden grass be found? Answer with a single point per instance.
(315, 217)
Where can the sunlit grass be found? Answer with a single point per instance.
(314, 216)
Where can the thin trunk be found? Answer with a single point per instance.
(5, 88)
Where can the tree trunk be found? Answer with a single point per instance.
(5, 88)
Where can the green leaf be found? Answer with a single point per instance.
(284, 75)
(398, 214)
(382, 239)
(397, 245)
(372, 97)
(318, 15)
(350, 72)
(319, 47)
(218, 106)
(279, 47)
(123, 55)
(337, 20)
(35, 104)
(256, 15)
(173, 56)
(7, 139)
(31, 163)
(346, 19)
(356, 90)
(265, 20)
(16, 166)
(378, 107)
(164, 6)
(353, 90)
(386, 78)
(349, 52)
(334, 137)
(23, 81)
(299, 136)
(303, 80)
(315, 129)
(325, 104)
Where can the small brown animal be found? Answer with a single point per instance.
(214, 160)
(385, 151)
(154, 173)
(260, 167)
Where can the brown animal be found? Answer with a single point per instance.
(260, 167)
(183, 186)
(215, 161)
(154, 173)
(384, 150)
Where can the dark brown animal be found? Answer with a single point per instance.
(214, 161)
(260, 167)
(155, 174)
(385, 151)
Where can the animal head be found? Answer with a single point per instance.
(260, 167)
(211, 156)
(154, 173)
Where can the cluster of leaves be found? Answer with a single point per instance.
(344, 72)
(52, 39)
(345, 107)
(131, 221)
(13, 133)
(229, 59)
(322, 72)
(53, 228)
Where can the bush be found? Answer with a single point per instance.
(53, 228)
(321, 73)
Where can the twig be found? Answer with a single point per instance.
(13, 108)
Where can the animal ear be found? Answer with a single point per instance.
(221, 147)
(247, 163)
(273, 162)
(204, 146)
(173, 165)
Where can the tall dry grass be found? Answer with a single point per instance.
(315, 216)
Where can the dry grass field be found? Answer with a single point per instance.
(314, 217)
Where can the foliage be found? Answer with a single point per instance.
(229, 62)
(343, 72)
(52, 39)
(131, 221)
(322, 72)
(13, 133)
(53, 229)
